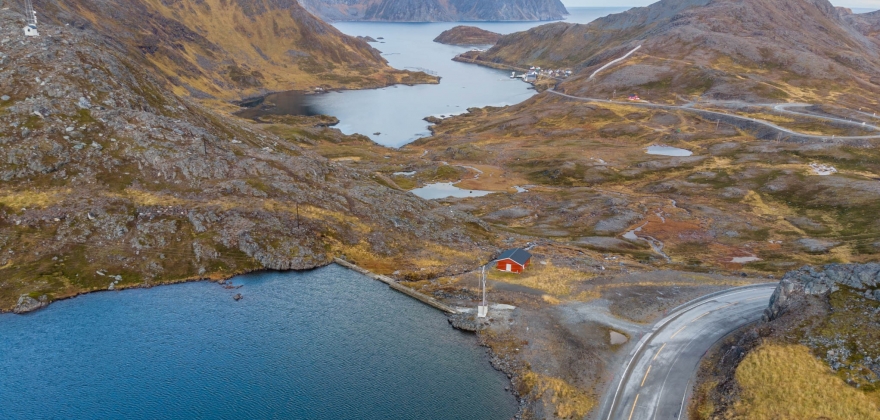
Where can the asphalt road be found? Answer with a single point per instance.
(656, 379)
(690, 108)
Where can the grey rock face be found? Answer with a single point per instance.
(809, 281)
(29, 304)
(816, 245)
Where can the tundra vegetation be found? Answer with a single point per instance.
(122, 167)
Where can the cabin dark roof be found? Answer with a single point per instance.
(518, 255)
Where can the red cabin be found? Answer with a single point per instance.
(514, 260)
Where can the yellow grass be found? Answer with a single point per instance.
(556, 281)
(786, 382)
(570, 402)
(25, 199)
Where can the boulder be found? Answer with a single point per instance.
(28, 304)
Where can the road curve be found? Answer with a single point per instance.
(655, 381)
(720, 114)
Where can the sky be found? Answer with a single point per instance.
(868, 4)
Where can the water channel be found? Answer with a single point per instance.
(397, 112)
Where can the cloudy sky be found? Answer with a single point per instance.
(868, 4)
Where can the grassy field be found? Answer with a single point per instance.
(783, 382)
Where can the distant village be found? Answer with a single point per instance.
(534, 72)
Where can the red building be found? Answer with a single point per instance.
(514, 260)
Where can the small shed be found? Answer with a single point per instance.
(514, 260)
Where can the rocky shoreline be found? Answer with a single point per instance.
(27, 303)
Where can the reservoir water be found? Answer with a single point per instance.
(324, 344)
(397, 112)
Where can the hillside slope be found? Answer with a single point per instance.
(799, 50)
(467, 35)
(231, 49)
(112, 181)
(436, 10)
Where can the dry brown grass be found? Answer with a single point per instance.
(556, 281)
(782, 382)
(29, 199)
(570, 402)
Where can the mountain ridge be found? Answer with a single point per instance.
(706, 46)
(231, 49)
(436, 10)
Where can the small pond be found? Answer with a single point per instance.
(668, 151)
(446, 190)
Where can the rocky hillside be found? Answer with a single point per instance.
(467, 35)
(229, 49)
(436, 10)
(110, 180)
(800, 50)
(830, 315)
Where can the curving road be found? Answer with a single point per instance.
(655, 381)
(705, 112)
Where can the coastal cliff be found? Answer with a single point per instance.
(436, 10)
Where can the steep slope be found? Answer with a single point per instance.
(111, 181)
(436, 10)
(229, 49)
(753, 49)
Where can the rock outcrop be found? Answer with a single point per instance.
(28, 304)
(436, 10)
(864, 278)
(467, 35)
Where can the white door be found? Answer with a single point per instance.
(508, 267)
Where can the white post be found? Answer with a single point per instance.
(483, 308)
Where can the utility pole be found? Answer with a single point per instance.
(483, 307)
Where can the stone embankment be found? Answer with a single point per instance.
(398, 287)
(864, 278)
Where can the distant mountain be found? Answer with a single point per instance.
(805, 50)
(467, 35)
(436, 10)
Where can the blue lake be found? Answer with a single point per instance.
(324, 344)
(397, 112)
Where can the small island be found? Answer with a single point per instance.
(467, 35)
